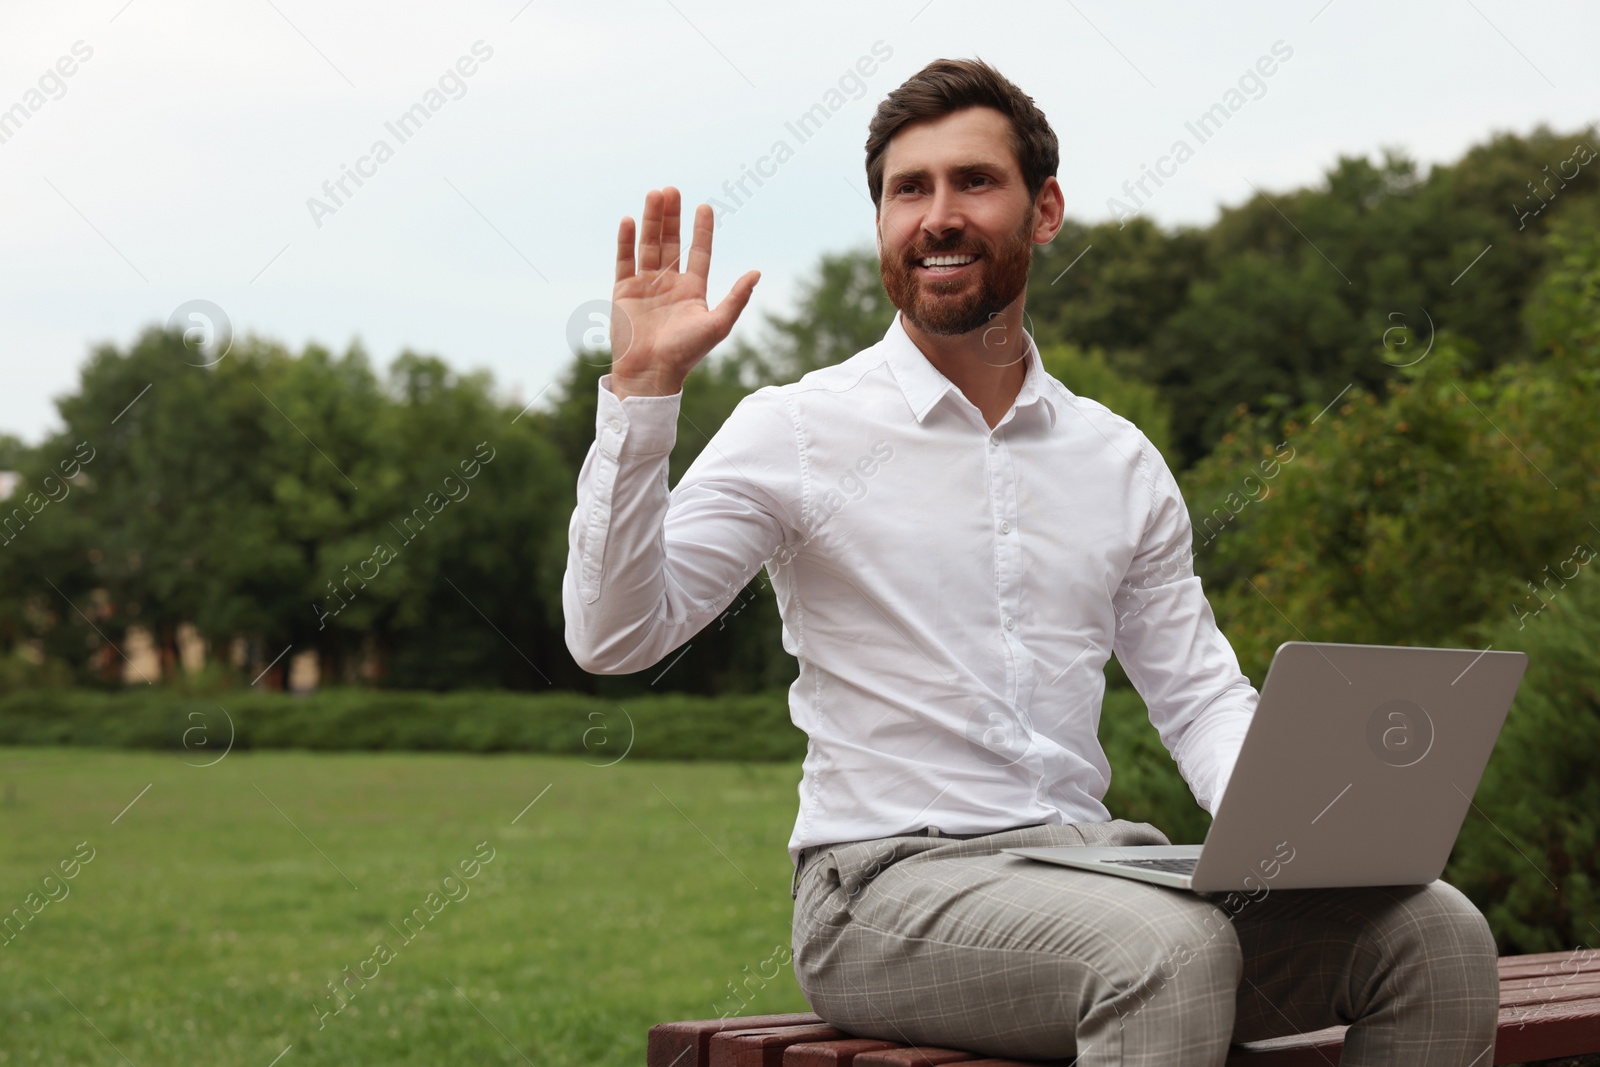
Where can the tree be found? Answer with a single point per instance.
(1415, 515)
(1295, 294)
(1112, 287)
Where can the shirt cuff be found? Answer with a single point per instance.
(637, 426)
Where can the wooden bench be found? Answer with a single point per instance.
(1549, 1007)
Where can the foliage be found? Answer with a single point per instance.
(1112, 287)
(1145, 783)
(1405, 519)
(200, 728)
(251, 499)
(1293, 294)
(1563, 313)
(1529, 854)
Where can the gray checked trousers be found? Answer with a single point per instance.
(937, 940)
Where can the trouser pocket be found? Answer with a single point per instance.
(832, 883)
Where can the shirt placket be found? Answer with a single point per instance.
(1009, 574)
(1007, 555)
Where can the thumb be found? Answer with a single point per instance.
(728, 311)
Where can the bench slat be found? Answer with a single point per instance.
(1541, 963)
(1524, 991)
(832, 1053)
(914, 1056)
(765, 1047)
(1570, 1030)
(688, 1044)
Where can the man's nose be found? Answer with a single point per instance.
(944, 212)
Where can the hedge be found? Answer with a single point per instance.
(668, 726)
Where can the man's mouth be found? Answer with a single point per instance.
(947, 264)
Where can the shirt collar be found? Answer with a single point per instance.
(924, 385)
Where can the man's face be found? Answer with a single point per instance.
(953, 190)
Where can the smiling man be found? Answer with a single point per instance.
(958, 544)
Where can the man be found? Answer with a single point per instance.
(958, 543)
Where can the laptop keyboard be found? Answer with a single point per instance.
(1176, 866)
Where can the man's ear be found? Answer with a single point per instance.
(1051, 205)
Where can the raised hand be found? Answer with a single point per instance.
(661, 325)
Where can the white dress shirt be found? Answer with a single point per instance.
(952, 592)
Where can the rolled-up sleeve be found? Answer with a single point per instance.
(1168, 641)
(648, 568)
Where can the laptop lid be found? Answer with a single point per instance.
(1359, 767)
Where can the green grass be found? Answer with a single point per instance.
(206, 925)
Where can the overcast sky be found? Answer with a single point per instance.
(180, 158)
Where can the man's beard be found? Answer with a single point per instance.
(1003, 276)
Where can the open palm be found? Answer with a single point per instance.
(661, 325)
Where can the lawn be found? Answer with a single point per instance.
(218, 903)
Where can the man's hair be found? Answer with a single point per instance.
(947, 85)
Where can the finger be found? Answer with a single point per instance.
(672, 205)
(727, 312)
(700, 250)
(650, 234)
(625, 249)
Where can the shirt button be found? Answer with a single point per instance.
(615, 425)
(1005, 527)
(1011, 624)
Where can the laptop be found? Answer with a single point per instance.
(1357, 770)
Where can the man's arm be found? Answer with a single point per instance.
(1168, 642)
(645, 570)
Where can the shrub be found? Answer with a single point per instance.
(1526, 855)
(670, 726)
